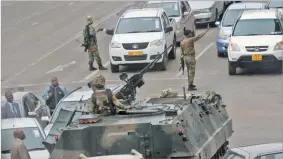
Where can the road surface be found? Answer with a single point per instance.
(39, 41)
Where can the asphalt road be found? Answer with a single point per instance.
(38, 37)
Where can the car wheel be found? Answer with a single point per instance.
(163, 65)
(114, 68)
(172, 54)
(219, 54)
(280, 68)
(232, 68)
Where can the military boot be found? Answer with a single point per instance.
(192, 87)
(101, 67)
(91, 68)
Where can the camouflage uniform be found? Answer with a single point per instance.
(92, 48)
(188, 54)
(103, 101)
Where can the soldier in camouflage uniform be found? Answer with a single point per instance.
(90, 40)
(188, 54)
(103, 100)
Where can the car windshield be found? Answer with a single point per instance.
(171, 9)
(33, 140)
(139, 25)
(263, 27)
(272, 156)
(230, 17)
(275, 4)
(67, 105)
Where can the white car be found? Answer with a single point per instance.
(33, 141)
(139, 36)
(256, 41)
(262, 151)
(179, 10)
(207, 12)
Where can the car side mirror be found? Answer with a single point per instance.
(168, 29)
(32, 114)
(110, 31)
(186, 13)
(123, 76)
(45, 119)
(217, 23)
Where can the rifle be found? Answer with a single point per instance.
(128, 91)
(86, 39)
(182, 65)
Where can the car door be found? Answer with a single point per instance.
(26, 106)
(171, 36)
(191, 21)
(167, 35)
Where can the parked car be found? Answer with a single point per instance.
(33, 141)
(74, 100)
(256, 41)
(27, 105)
(225, 26)
(275, 4)
(262, 151)
(207, 12)
(179, 10)
(139, 36)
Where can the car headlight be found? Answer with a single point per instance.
(279, 46)
(115, 44)
(157, 42)
(234, 47)
(221, 35)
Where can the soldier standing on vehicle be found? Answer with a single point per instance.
(90, 43)
(103, 100)
(188, 55)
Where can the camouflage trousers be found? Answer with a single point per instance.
(190, 62)
(93, 54)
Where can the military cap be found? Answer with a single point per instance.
(89, 19)
(99, 80)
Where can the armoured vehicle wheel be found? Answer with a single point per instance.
(232, 68)
(114, 68)
(172, 54)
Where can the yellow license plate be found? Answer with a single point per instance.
(135, 53)
(257, 57)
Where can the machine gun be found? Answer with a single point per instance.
(128, 91)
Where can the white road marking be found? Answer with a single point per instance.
(198, 56)
(95, 72)
(35, 23)
(61, 67)
(70, 3)
(64, 44)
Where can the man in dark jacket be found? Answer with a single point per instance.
(54, 93)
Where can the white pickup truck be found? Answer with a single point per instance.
(139, 36)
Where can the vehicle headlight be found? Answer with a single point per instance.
(279, 46)
(221, 35)
(157, 42)
(234, 47)
(115, 44)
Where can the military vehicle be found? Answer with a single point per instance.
(172, 126)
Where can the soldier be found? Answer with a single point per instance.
(188, 55)
(90, 42)
(103, 100)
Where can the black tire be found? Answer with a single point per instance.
(232, 68)
(172, 53)
(219, 54)
(163, 65)
(114, 68)
(280, 68)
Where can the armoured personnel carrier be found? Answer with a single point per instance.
(172, 126)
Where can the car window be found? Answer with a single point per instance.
(165, 21)
(26, 106)
(188, 6)
(230, 17)
(272, 156)
(183, 7)
(275, 4)
(32, 101)
(139, 25)
(171, 8)
(67, 105)
(263, 27)
(32, 141)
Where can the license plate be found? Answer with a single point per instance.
(135, 53)
(256, 57)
